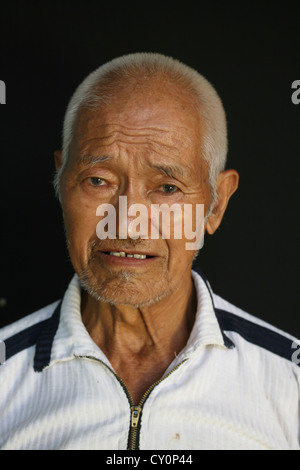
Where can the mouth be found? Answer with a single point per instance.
(126, 258)
(123, 254)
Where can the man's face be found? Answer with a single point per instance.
(145, 146)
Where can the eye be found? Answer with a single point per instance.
(169, 188)
(96, 181)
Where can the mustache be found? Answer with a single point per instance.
(118, 244)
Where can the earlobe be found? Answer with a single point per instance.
(227, 184)
(58, 159)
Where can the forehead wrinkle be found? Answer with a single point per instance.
(89, 123)
(156, 146)
(120, 138)
(155, 149)
(115, 128)
(114, 125)
(113, 133)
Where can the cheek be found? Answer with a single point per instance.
(179, 257)
(189, 230)
(80, 225)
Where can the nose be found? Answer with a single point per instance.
(132, 214)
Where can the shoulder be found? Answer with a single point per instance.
(28, 321)
(232, 317)
(255, 331)
(22, 334)
(241, 314)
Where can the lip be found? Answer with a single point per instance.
(127, 262)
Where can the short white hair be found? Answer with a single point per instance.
(141, 66)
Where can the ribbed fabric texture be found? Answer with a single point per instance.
(219, 397)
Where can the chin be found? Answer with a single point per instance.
(125, 289)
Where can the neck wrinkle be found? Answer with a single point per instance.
(163, 327)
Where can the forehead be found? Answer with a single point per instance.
(162, 118)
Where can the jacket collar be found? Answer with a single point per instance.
(65, 337)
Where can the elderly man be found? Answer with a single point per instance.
(140, 353)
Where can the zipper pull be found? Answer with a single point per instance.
(135, 415)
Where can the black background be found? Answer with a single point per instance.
(250, 53)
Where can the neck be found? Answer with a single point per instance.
(162, 328)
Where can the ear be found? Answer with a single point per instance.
(227, 184)
(58, 159)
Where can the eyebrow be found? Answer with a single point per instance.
(90, 160)
(170, 170)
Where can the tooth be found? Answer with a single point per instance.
(122, 254)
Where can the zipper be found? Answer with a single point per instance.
(135, 410)
(134, 426)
